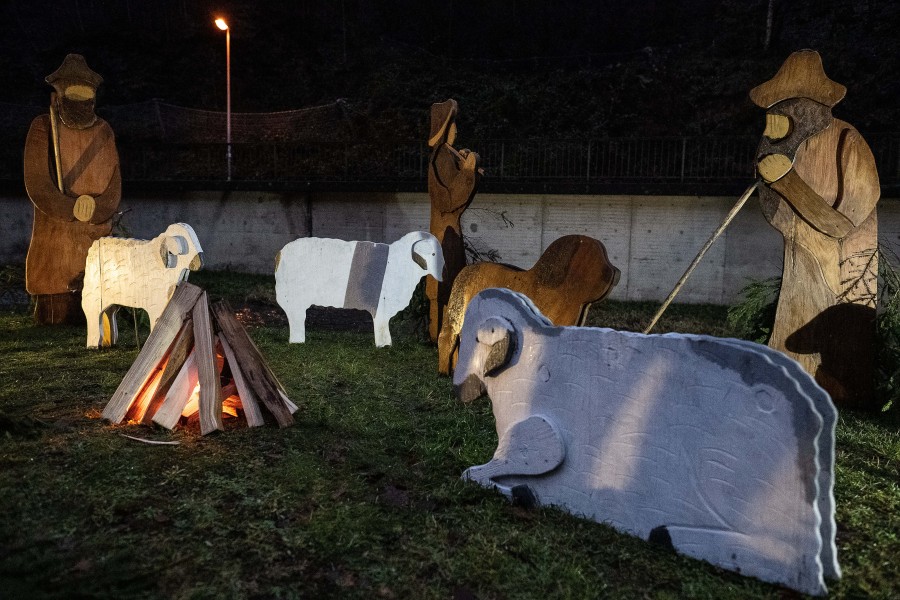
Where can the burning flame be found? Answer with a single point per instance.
(138, 409)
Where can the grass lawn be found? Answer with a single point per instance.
(361, 498)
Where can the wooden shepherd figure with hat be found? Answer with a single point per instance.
(72, 177)
(453, 177)
(820, 192)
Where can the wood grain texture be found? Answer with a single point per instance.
(205, 355)
(800, 76)
(453, 178)
(248, 398)
(179, 394)
(90, 166)
(252, 363)
(569, 276)
(154, 350)
(137, 273)
(720, 444)
(178, 353)
(824, 207)
(811, 207)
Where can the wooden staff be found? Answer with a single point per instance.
(734, 211)
(54, 131)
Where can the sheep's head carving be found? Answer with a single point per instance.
(180, 249)
(427, 253)
(488, 355)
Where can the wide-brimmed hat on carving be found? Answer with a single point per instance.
(74, 70)
(442, 115)
(801, 76)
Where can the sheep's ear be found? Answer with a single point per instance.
(196, 262)
(168, 259)
(417, 258)
(176, 244)
(500, 335)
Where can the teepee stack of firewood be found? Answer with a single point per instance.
(179, 372)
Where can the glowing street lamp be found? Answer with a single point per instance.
(221, 24)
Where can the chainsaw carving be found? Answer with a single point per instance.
(820, 193)
(72, 177)
(723, 449)
(377, 278)
(572, 273)
(137, 273)
(453, 178)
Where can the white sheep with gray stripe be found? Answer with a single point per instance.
(377, 278)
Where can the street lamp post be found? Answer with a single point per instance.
(221, 24)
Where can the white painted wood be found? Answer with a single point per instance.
(329, 272)
(725, 447)
(137, 273)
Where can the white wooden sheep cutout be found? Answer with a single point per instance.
(723, 449)
(138, 273)
(378, 278)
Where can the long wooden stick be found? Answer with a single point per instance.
(734, 211)
(54, 133)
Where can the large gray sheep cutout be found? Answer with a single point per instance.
(722, 448)
(377, 278)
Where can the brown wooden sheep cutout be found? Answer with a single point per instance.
(571, 274)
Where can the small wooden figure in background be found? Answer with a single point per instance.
(72, 177)
(453, 177)
(820, 193)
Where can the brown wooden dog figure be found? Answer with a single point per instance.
(820, 192)
(572, 273)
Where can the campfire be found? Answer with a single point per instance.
(199, 364)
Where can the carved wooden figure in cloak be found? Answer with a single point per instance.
(572, 273)
(72, 177)
(137, 273)
(723, 449)
(453, 177)
(377, 278)
(820, 193)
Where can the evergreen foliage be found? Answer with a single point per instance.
(753, 317)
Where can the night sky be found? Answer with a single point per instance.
(518, 68)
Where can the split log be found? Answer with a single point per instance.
(179, 371)
(253, 365)
(178, 354)
(155, 349)
(178, 395)
(210, 387)
(248, 398)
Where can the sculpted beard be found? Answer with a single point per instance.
(77, 114)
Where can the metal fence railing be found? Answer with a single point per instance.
(671, 160)
(623, 159)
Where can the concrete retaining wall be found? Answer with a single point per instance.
(652, 239)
